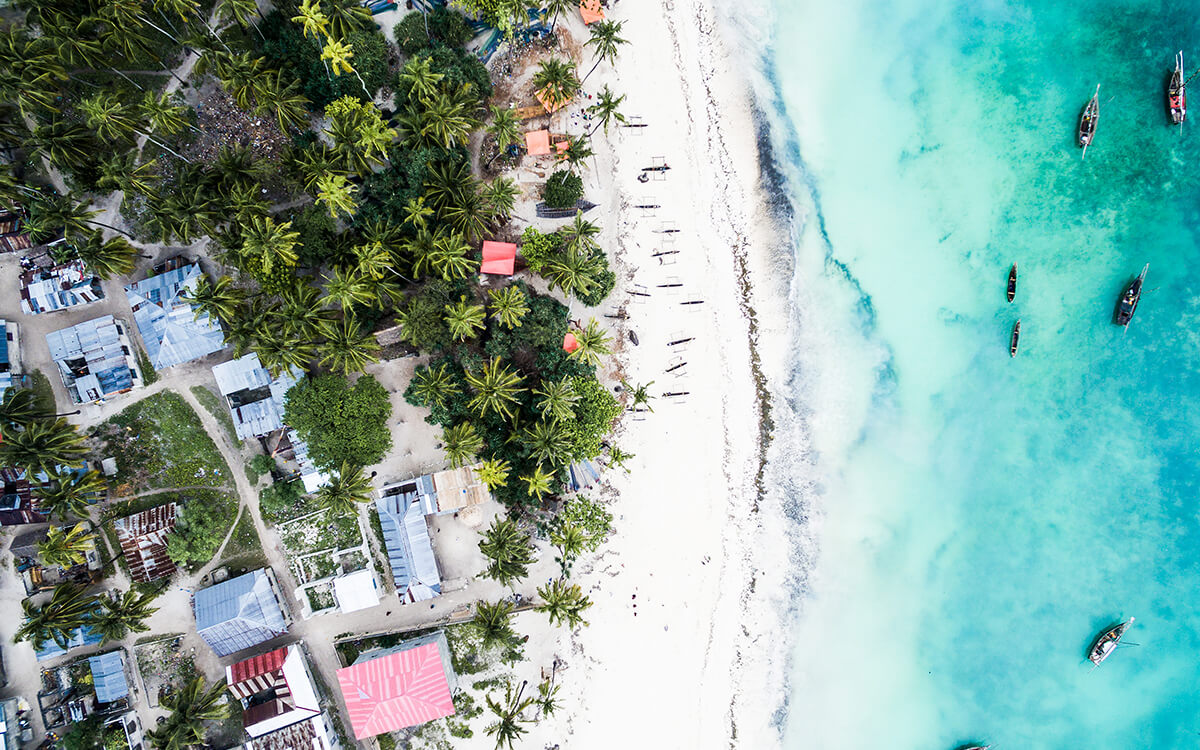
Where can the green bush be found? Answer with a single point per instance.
(538, 248)
(318, 239)
(285, 47)
(260, 465)
(447, 28)
(200, 527)
(458, 67)
(594, 415)
(339, 422)
(281, 501)
(563, 189)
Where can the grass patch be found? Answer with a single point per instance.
(321, 531)
(320, 597)
(149, 374)
(43, 391)
(212, 404)
(244, 548)
(160, 443)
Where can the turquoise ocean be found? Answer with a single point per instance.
(976, 519)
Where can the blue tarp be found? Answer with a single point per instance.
(108, 677)
(83, 636)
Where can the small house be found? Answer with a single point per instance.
(390, 689)
(240, 613)
(94, 359)
(173, 330)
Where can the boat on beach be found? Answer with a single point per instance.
(1088, 121)
(1128, 301)
(1107, 641)
(1012, 282)
(1016, 339)
(1177, 93)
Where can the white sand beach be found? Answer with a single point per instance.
(661, 663)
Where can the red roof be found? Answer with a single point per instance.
(499, 258)
(570, 343)
(590, 11)
(537, 142)
(396, 691)
(258, 665)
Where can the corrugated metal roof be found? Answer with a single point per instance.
(409, 548)
(91, 359)
(239, 613)
(170, 328)
(143, 540)
(255, 399)
(403, 688)
(58, 288)
(108, 676)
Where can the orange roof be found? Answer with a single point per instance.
(548, 102)
(570, 343)
(498, 258)
(591, 12)
(562, 146)
(537, 142)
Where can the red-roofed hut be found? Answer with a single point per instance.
(499, 258)
(570, 343)
(591, 11)
(537, 142)
(403, 687)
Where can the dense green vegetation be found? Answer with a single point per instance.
(340, 422)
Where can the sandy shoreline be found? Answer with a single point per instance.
(664, 662)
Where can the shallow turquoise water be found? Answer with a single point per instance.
(981, 518)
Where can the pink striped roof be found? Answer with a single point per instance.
(396, 691)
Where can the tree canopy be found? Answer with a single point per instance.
(340, 423)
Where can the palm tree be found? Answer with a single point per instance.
(493, 623)
(464, 319)
(501, 196)
(641, 394)
(348, 347)
(190, 708)
(570, 541)
(218, 299)
(420, 78)
(239, 11)
(107, 116)
(504, 127)
(555, 399)
(509, 305)
(19, 407)
(461, 443)
(574, 270)
(507, 549)
(42, 446)
(493, 472)
(446, 118)
(347, 17)
(68, 494)
(548, 442)
(556, 80)
(348, 288)
(605, 109)
(122, 172)
(555, 8)
(507, 728)
(312, 19)
(64, 143)
(618, 457)
(280, 352)
(547, 700)
(496, 389)
(271, 243)
(563, 602)
(578, 151)
(374, 259)
(339, 54)
(106, 258)
(451, 259)
(65, 548)
(417, 213)
(605, 42)
(337, 193)
(448, 181)
(433, 385)
(302, 312)
(593, 344)
(290, 106)
(538, 483)
(121, 616)
(56, 620)
(580, 233)
(163, 113)
(51, 214)
(344, 490)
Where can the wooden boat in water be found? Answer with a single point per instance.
(1016, 340)
(1177, 93)
(1128, 301)
(1107, 642)
(973, 747)
(1088, 121)
(1012, 282)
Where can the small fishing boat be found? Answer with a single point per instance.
(1107, 641)
(1177, 93)
(1088, 121)
(1016, 340)
(1128, 301)
(1012, 282)
(973, 747)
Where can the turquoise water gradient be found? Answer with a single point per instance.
(987, 516)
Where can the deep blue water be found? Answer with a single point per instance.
(982, 517)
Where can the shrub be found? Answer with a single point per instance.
(199, 530)
(594, 415)
(446, 29)
(538, 248)
(285, 47)
(563, 189)
(318, 241)
(339, 422)
(281, 500)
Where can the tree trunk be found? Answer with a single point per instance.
(159, 143)
(109, 226)
(127, 78)
(593, 70)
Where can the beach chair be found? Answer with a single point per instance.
(634, 125)
(660, 165)
(676, 366)
(667, 227)
(648, 205)
(666, 248)
(672, 285)
(692, 303)
(678, 393)
(679, 341)
(638, 294)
